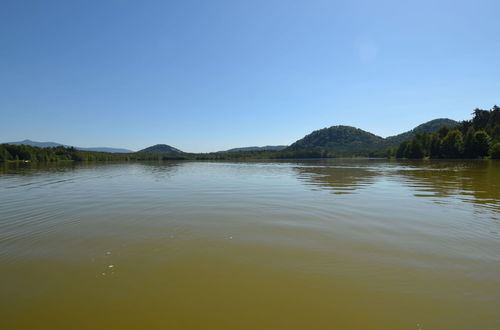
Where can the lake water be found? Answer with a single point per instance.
(337, 244)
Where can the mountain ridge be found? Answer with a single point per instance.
(56, 144)
(255, 148)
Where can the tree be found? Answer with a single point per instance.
(400, 153)
(443, 131)
(495, 151)
(470, 149)
(435, 146)
(494, 117)
(452, 144)
(4, 154)
(414, 150)
(481, 119)
(481, 143)
(495, 134)
(391, 152)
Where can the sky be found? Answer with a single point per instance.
(211, 75)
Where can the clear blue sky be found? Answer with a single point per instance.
(210, 75)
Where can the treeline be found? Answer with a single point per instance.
(26, 153)
(9, 152)
(475, 138)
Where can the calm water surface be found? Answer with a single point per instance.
(338, 244)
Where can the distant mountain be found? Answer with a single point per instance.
(55, 144)
(352, 141)
(104, 149)
(36, 144)
(160, 149)
(265, 148)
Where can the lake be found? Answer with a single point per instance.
(320, 244)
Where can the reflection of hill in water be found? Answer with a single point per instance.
(339, 178)
(477, 182)
(160, 171)
(472, 181)
(442, 181)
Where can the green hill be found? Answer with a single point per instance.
(349, 141)
(342, 140)
(160, 149)
(475, 138)
(428, 127)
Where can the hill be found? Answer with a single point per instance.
(428, 127)
(351, 141)
(55, 144)
(265, 148)
(478, 137)
(160, 149)
(342, 140)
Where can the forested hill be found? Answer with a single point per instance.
(428, 127)
(351, 141)
(160, 149)
(475, 138)
(343, 140)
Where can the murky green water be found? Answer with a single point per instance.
(335, 244)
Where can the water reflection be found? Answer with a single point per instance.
(339, 178)
(476, 182)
